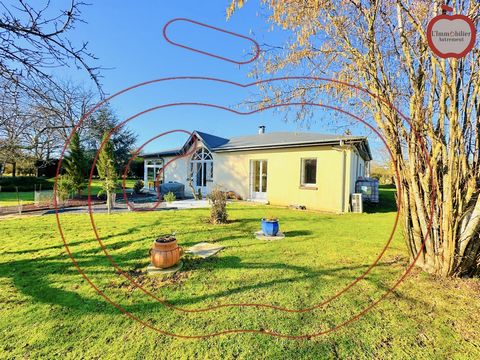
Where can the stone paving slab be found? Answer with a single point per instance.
(204, 249)
(152, 270)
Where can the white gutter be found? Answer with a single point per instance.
(343, 149)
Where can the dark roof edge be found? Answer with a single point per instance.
(161, 153)
(289, 145)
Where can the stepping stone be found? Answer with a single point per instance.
(152, 270)
(260, 236)
(204, 249)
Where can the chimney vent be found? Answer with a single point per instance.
(261, 129)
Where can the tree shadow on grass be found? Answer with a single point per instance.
(303, 273)
(61, 245)
(32, 278)
(295, 233)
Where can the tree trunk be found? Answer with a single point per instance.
(382, 46)
(190, 184)
(445, 242)
(109, 202)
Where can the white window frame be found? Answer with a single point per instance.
(258, 195)
(302, 172)
(202, 158)
(156, 165)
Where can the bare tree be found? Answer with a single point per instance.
(381, 45)
(34, 39)
(60, 107)
(36, 125)
(14, 123)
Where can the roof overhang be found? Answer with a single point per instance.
(360, 143)
(161, 154)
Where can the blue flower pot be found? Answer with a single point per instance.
(270, 227)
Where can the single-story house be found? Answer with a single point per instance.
(314, 170)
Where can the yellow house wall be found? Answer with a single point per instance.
(232, 172)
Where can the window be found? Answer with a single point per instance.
(309, 172)
(201, 167)
(153, 172)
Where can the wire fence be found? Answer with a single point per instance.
(12, 202)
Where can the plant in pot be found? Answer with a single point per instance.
(270, 226)
(165, 252)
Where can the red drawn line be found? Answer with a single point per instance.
(135, 154)
(255, 44)
(164, 302)
(231, 331)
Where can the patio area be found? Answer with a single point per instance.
(144, 205)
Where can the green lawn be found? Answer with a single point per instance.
(10, 198)
(28, 197)
(47, 310)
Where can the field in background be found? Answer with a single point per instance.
(28, 197)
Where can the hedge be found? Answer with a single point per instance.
(24, 183)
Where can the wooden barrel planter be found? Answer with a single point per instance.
(165, 252)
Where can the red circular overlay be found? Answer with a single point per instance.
(255, 44)
(135, 154)
(136, 284)
(230, 331)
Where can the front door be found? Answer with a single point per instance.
(258, 175)
(200, 177)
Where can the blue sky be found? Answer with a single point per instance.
(127, 39)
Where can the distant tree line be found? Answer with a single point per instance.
(38, 110)
(34, 127)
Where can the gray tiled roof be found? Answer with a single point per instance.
(281, 139)
(170, 152)
(268, 141)
(212, 141)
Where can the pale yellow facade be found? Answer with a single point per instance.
(337, 169)
(335, 177)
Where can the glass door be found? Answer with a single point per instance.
(200, 175)
(258, 174)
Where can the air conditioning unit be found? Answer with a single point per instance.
(357, 203)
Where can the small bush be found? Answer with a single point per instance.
(218, 211)
(138, 186)
(64, 187)
(169, 197)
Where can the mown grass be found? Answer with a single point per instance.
(14, 198)
(47, 310)
(28, 197)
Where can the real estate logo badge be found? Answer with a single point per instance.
(451, 36)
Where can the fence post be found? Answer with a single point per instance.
(19, 204)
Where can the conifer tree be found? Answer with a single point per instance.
(75, 165)
(106, 170)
